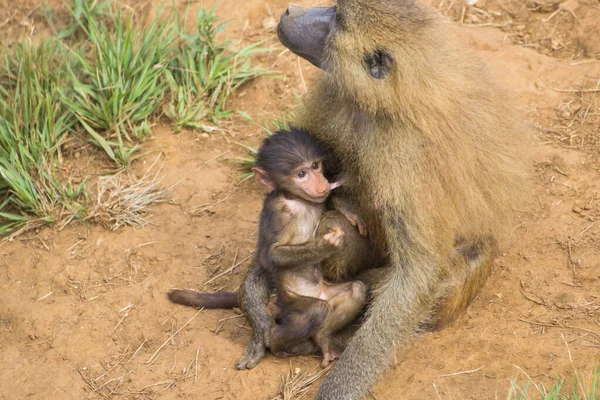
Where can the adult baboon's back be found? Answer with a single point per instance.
(427, 142)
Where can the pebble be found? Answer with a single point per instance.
(576, 209)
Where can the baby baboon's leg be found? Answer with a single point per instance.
(254, 296)
(297, 322)
(346, 300)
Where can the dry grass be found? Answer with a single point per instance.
(126, 200)
(548, 26)
(297, 382)
(576, 122)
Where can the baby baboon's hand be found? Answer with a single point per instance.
(356, 221)
(334, 238)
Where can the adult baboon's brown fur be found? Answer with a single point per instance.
(430, 152)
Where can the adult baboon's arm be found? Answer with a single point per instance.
(398, 307)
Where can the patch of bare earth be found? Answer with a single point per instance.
(83, 310)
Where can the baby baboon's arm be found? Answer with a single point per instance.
(283, 256)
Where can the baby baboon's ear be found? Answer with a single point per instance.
(379, 63)
(263, 178)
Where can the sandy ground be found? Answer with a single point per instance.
(83, 312)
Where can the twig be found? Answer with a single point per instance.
(226, 271)
(45, 341)
(560, 326)
(571, 261)
(170, 316)
(530, 379)
(75, 245)
(213, 159)
(585, 62)
(205, 206)
(436, 392)
(573, 365)
(586, 229)
(577, 90)
(235, 256)
(485, 25)
(539, 302)
(171, 337)
(196, 375)
(301, 75)
(544, 20)
(463, 372)
(45, 296)
(234, 317)
(93, 388)
(121, 320)
(590, 104)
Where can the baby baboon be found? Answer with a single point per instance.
(428, 144)
(290, 165)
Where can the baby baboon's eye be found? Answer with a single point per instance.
(302, 174)
(315, 165)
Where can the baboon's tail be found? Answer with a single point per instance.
(206, 300)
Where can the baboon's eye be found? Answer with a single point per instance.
(315, 165)
(301, 174)
(379, 63)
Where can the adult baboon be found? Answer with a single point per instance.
(428, 145)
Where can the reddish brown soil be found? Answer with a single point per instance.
(84, 314)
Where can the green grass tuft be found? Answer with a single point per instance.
(104, 77)
(581, 389)
(33, 123)
(204, 72)
(119, 85)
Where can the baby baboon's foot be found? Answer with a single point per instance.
(328, 357)
(255, 351)
(252, 356)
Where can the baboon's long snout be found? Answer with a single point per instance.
(304, 30)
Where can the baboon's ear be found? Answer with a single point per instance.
(262, 178)
(379, 64)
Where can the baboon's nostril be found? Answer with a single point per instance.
(295, 11)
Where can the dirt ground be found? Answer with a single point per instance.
(83, 311)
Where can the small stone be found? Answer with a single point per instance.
(77, 155)
(520, 28)
(576, 209)
(587, 207)
(565, 114)
(474, 19)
